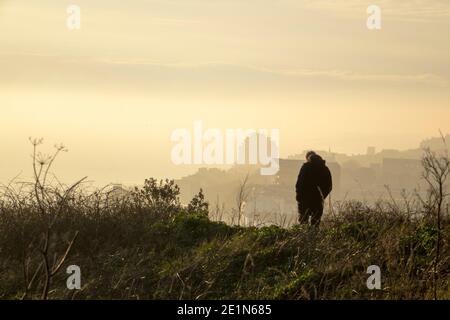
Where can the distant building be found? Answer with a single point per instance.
(436, 144)
(371, 151)
(393, 166)
(118, 192)
(401, 173)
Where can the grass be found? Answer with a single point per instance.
(130, 252)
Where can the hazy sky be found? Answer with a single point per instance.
(115, 90)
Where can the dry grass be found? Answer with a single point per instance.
(128, 250)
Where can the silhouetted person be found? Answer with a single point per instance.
(314, 184)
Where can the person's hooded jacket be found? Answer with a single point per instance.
(314, 182)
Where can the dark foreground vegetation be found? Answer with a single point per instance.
(146, 245)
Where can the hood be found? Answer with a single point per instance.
(317, 160)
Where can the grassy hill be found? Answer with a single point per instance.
(147, 246)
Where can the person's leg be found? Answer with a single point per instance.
(316, 215)
(303, 215)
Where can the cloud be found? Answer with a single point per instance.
(173, 22)
(426, 78)
(339, 75)
(56, 72)
(413, 10)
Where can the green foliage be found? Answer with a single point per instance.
(199, 205)
(298, 286)
(424, 239)
(160, 198)
(191, 229)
